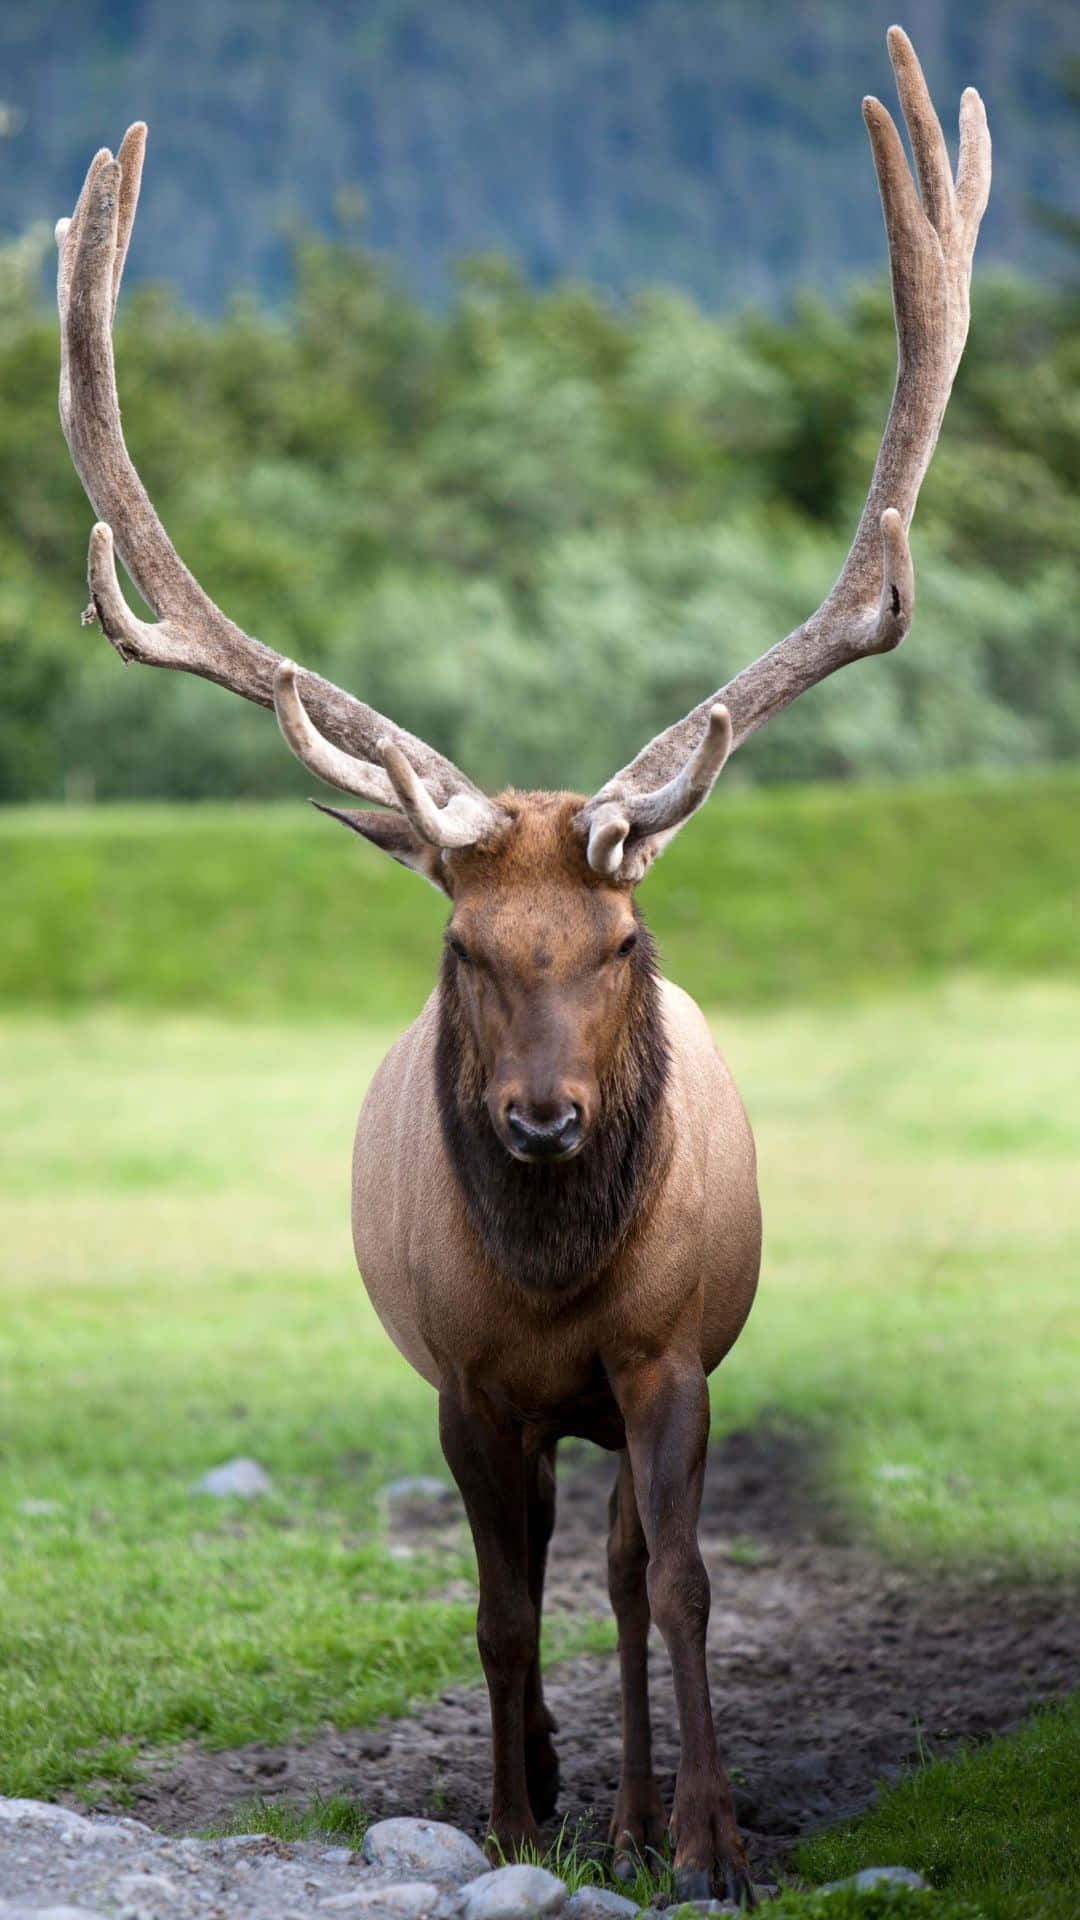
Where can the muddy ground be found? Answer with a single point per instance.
(827, 1667)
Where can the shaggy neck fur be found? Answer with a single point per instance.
(551, 1229)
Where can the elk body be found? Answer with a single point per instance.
(555, 1205)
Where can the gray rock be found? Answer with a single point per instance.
(35, 1509)
(240, 1476)
(514, 1893)
(407, 1897)
(417, 1486)
(427, 1849)
(599, 1903)
(46, 1913)
(144, 1892)
(870, 1878)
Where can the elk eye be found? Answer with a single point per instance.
(458, 948)
(626, 947)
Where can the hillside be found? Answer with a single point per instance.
(717, 148)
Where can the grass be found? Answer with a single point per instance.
(333, 1817)
(178, 1289)
(768, 896)
(998, 1827)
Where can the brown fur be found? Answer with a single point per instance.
(551, 1228)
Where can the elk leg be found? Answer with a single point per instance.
(486, 1458)
(541, 1759)
(665, 1406)
(638, 1821)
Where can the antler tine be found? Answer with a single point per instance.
(191, 634)
(465, 819)
(869, 609)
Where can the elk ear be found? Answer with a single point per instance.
(392, 832)
(639, 857)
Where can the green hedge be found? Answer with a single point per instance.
(769, 895)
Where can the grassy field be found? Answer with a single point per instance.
(769, 895)
(896, 985)
(178, 1289)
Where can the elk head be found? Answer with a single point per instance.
(540, 946)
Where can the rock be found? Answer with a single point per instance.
(143, 1892)
(419, 1501)
(870, 1878)
(407, 1897)
(515, 1893)
(431, 1849)
(240, 1476)
(599, 1903)
(46, 1913)
(67, 1825)
(35, 1509)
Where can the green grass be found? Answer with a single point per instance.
(334, 1817)
(769, 895)
(998, 1827)
(178, 1288)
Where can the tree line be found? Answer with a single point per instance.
(536, 525)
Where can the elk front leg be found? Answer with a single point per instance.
(541, 1759)
(485, 1456)
(665, 1407)
(638, 1821)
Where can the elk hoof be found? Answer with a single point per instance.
(692, 1883)
(739, 1887)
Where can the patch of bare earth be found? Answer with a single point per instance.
(828, 1667)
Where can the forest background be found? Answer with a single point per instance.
(534, 514)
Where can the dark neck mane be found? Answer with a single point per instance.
(551, 1229)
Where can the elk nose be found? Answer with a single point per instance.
(548, 1139)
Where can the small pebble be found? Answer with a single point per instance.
(429, 1849)
(242, 1477)
(599, 1903)
(870, 1878)
(514, 1893)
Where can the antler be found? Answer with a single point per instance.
(191, 633)
(869, 609)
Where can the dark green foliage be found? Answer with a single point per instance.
(716, 147)
(536, 528)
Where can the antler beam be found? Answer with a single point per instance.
(869, 609)
(191, 633)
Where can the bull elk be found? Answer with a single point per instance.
(555, 1202)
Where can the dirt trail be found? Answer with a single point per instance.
(824, 1662)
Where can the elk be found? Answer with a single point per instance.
(554, 1193)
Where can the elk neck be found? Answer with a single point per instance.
(552, 1229)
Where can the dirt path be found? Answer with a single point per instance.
(824, 1664)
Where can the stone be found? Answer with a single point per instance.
(242, 1477)
(417, 1486)
(406, 1897)
(514, 1893)
(145, 1892)
(869, 1879)
(599, 1903)
(68, 1827)
(35, 1509)
(427, 1849)
(46, 1913)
